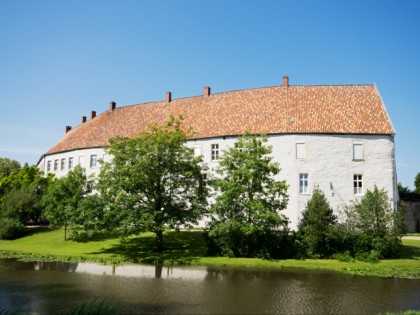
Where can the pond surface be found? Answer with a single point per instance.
(51, 288)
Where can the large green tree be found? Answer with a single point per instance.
(64, 198)
(153, 182)
(249, 197)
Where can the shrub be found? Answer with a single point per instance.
(374, 225)
(317, 230)
(236, 239)
(10, 228)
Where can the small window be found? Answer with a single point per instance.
(63, 164)
(82, 161)
(197, 151)
(303, 184)
(49, 166)
(55, 165)
(93, 160)
(214, 152)
(300, 150)
(357, 151)
(358, 184)
(70, 163)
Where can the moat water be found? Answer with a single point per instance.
(52, 288)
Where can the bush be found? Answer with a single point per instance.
(374, 226)
(236, 239)
(10, 228)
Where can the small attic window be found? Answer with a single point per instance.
(358, 152)
(300, 151)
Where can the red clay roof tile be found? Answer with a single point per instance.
(337, 109)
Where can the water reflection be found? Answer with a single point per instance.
(50, 288)
(135, 271)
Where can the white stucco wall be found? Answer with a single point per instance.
(328, 162)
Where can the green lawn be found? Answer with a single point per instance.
(188, 248)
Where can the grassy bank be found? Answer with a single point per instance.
(188, 248)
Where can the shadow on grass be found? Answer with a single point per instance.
(33, 230)
(409, 252)
(180, 247)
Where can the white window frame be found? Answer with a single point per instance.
(304, 183)
(358, 184)
(358, 154)
(215, 152)
(56, 165)
(82, 161)
(70, 163)
(63, 164)
(49, 164)
(300, 148)
(93, 161)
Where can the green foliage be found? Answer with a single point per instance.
(8, 167)
(417, 184)
(20, 199)
(317, 228)
(64, 197)
(402, 189)
(373, 225)
(246, 209)
(153, 182)
(22, 204)
(10, 228)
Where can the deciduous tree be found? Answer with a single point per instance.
(249, 198)
(64, 197)
(8, 166)
(153, 182)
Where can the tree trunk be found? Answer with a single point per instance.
(65, 232)
(159, 241)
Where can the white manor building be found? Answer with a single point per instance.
(338, 137)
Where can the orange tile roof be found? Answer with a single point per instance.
(332, 109)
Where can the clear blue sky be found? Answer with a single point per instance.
(61, 59)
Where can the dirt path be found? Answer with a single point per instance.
(416, 238)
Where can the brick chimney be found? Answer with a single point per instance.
(68, 128)
(206, 91)
(285, 81)
(83, 119)
(168, 96)
(112, 106)
(92, 114)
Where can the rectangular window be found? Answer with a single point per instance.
(70, 163)
(55, 165)
(82, 161)
(358, 184)
(197, 151)
(63, 164)
(303, 184)
(93, 160)
(300, 150)
(49, 166)
(357, 151)
(214, 152)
